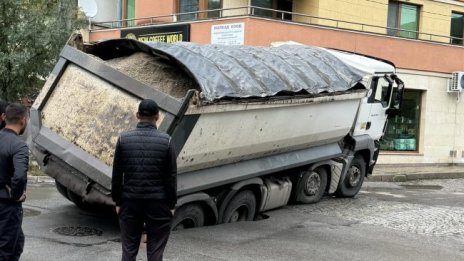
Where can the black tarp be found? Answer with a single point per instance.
(244, 71)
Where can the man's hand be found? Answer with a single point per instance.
(22, 198)
(118, 209)
(173, 211)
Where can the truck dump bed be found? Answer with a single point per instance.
(233, 111)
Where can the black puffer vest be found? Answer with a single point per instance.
(144, 153)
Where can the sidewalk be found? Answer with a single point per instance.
(40, 180)
(404, 173)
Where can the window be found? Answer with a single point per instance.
(214, 4)
(186, 6)
(403, 20)
(264, 4)
(381, 92)
(130, 12)
(284, 5)
(402, 131)
(457, 28)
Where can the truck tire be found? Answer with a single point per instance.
(311, 186)
(61, 189)
(350, 186)
(242, 207)
(188, 216)
(77, 200)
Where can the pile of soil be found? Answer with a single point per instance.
(156, 72)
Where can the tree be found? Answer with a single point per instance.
(32, 33)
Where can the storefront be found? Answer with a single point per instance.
(402, 132)
(165, 34)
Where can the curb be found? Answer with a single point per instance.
(40, 180)
(414, 176)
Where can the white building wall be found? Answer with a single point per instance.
(441, 122)
(234, 4)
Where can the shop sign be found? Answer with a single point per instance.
(165, 34)
(228, 34)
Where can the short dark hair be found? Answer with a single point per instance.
(15, 112)
(3, 105)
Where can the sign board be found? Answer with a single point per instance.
(165, 34)
(228, 34)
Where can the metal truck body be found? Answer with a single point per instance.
(253, 127)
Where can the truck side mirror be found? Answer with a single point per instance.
(398, 98)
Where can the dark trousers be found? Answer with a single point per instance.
(11, 233)
(157, 218)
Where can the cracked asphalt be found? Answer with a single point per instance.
(418, 220)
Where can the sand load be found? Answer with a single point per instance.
(110, 110)
(155, 72)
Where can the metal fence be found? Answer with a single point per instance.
(273, 14)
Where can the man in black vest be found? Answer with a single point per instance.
(14, 163)
(144, 184)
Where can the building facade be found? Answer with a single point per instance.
(424, 38)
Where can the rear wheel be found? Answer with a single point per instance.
(188, 216)
(79, 202)
(61, 189)
(242, 207)
(350, 186)
(311, 186)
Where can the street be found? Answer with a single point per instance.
(420, 220)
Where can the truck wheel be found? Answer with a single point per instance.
(188, 216)
(242, 207)
(311, 186)
(353, 181)
(77, 200)
(62, 189)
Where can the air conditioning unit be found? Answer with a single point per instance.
(456, 83)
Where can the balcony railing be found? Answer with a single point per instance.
(254, 11)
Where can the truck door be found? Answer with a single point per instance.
(372, 115)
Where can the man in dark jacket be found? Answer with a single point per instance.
(3, 105)
(144, 184)
(14, 162)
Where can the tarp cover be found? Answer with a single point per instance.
(245, 71)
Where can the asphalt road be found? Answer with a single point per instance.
(422, 220)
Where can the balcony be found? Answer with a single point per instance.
(424, 51)
(273, 14)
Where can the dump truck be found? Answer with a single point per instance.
(254, 127)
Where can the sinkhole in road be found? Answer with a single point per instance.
(261, 216)
(78, 231)
(27, 212)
